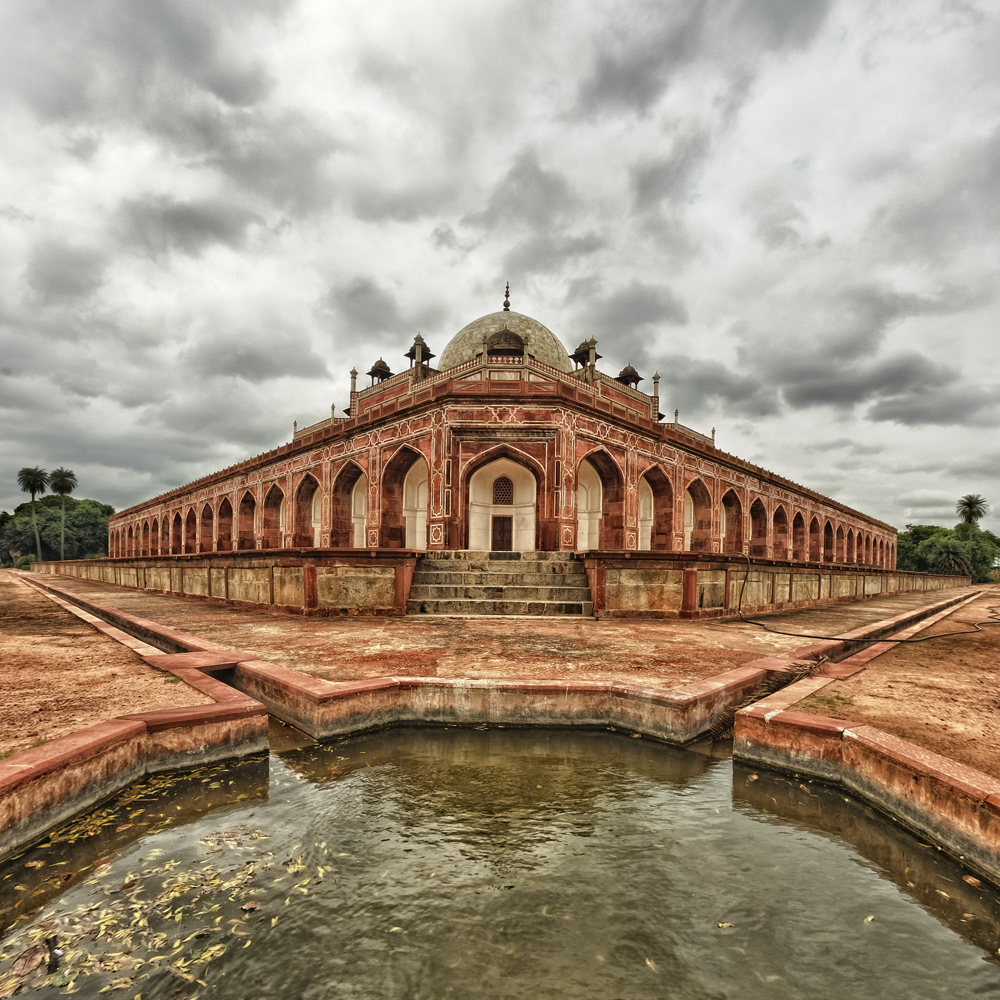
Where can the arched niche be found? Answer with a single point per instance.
(697, 518)
(272, 517)
(502, 499)
(814, 540)
(828, 548)
(190, 531)
(850, 553)
(343, 529)
(154, 537)
(779, 537)
(758, 530)
(841, 544)
(732, 523)
(144, 550)
(205, 535)
(224, 533)
(130, 543)
(415, 499)
(307, 512)
(612, 522)
(800, 547)
(248, 511)
(359, 512)
(399, 527)
(589, 497)
(656, 511)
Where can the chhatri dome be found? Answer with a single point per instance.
(505, 332)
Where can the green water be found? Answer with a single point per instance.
(429, 863)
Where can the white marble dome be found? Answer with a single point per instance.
(543, 344)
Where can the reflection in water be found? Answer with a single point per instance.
(502, 863)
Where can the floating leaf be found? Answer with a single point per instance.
(29, 960)
(723, 923)
(34, 864)
(869, 918)
(652, 965)
(250, 907)
(971, 879)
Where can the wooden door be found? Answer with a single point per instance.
(503, 533)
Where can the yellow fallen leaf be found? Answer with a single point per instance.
(869, 918)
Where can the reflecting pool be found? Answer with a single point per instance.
(429, 863)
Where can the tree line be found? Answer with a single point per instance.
(59, 526)
(965, 550)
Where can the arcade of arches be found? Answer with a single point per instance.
(514, 444)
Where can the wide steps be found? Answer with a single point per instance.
(500, 583)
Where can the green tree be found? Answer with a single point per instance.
(34, 481)
(86, 528)
(62, 482)
(908, 545)
(947, 555)
(971, 508)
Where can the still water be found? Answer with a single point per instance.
(430, 863)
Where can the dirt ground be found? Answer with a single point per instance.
(59, 675)
(942, 694)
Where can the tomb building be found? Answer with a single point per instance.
(508, 442)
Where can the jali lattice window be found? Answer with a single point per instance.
(503, 491)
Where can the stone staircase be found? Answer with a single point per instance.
(500, 583)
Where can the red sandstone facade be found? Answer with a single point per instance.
(512, 443)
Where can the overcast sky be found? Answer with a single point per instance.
(789, 208)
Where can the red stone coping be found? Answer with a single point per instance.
(46, 785)
(954, 805)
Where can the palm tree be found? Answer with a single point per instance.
(949, 556)
(33, 481)
(971, 508)
(62, 482)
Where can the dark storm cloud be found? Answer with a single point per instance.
(371, 311)
(966, 405)
(158, 225)
(668, 177)
(650, 43)
(256, 358)
(401, 204)
(527, 194)
(72, 58)
(635, 309)
(60, 273)
(546, 254)
(946, 206)
(696, 384)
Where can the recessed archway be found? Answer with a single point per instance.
(272, 518)
(656, 511)
(588, 507)
(224, 540)
(779, 539)
(850, 553)
(612, 519)
(307, 512)
(697, 518)
(205, 536)
(415, 499)
(144, 550)
(841, 544)
(393, 531)
(343, 524)
(191, 531)
(799, 549)
(502, 499)
(248, 510)
(814, 540)
(828, 542)
(758, 530)
(732, 523)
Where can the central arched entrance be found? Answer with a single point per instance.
(502, 507)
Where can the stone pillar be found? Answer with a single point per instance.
(440, 490)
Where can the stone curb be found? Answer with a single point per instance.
(955, 806)
(44, 786)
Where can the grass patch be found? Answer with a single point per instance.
(171, 680)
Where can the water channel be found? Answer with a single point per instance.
(500, 863)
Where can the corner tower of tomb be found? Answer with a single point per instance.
(511, 442)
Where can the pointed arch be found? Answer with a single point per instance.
(611, 532)
(697, 517)
(732, 522)
(828, 542)
(305, 524)
(779, 536)
(758, 530)
(656, 528)
(589, 503)
(206, 525)
(246, 531)
(416, 497)
(800, 548)
(272, 517)
(502, 519)
(190, 531)
(868, 548)
(815, 540)
(144, 549)
(130, 543)
(224, 532)
(881, 552)
(849, 550)
(392, 533)
(343, 533)
(841, 544)
(154, 537)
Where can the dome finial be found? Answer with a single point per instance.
(506, 298)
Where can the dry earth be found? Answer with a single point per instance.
(59, 675)
(941, 694)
